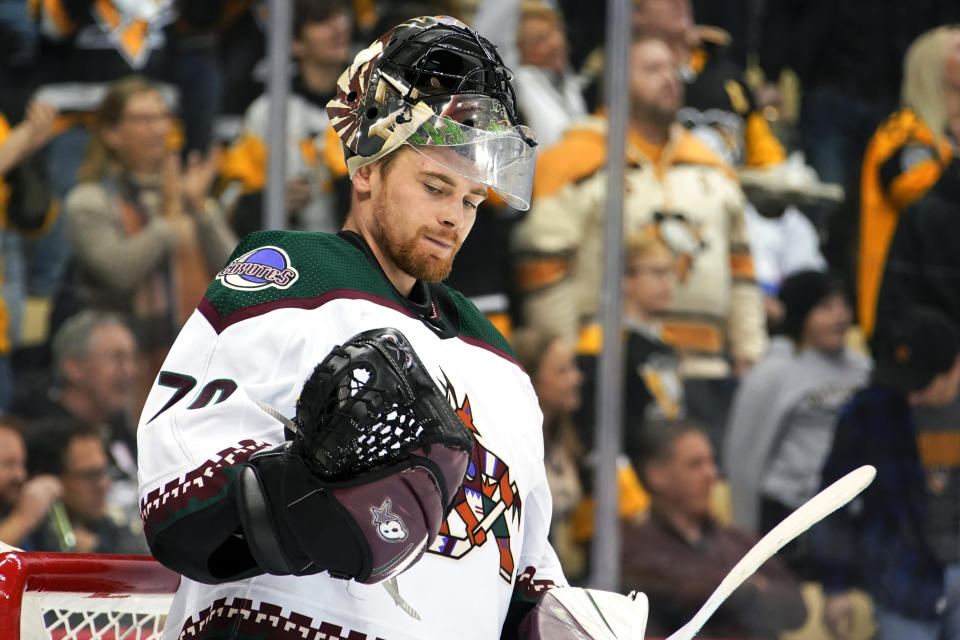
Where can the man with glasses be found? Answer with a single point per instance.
(653, 387)
(95, 372)
(74, 453)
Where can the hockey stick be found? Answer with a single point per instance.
(812, 511)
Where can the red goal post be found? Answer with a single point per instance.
(67, 596)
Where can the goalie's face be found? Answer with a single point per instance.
(415, 213)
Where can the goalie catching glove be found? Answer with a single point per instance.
(368, 473)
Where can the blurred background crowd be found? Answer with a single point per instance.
(791, 283)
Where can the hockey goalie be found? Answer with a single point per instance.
(338, 446)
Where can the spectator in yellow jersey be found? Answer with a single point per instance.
(314, 160)
(719, 106)
(906, 155)
(716, 311)
(653, 388)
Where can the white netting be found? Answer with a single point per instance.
(92, 616)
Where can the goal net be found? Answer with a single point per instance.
(66, 596)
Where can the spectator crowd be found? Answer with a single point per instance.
(791, 281)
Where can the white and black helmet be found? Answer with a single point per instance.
(435, 84)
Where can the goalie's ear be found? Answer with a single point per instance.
(363, 179)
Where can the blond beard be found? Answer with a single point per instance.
(406, 254)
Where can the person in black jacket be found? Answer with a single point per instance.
(923, 265)
(923, 270)
(653, 386)
(899, 540)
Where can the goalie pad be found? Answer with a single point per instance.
(571, 613)
(367, 478)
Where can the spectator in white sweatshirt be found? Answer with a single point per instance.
(549, 93)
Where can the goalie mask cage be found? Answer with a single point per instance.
(67, 596)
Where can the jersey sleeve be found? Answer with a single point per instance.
(539, 566)
(909, 173)
(546, 244)
(202, 421)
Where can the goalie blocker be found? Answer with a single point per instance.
(366, 478)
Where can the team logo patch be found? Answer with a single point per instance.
(487, 506)
(389, 525)
(259, 269)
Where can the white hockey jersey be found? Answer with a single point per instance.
(276, 310)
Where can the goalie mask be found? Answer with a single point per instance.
(441, 88)
(376, 457)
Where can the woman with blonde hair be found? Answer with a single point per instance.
(906, 155)
(146, 240)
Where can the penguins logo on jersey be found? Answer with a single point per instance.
(487, 504)
(681, 235)
(259, 269)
